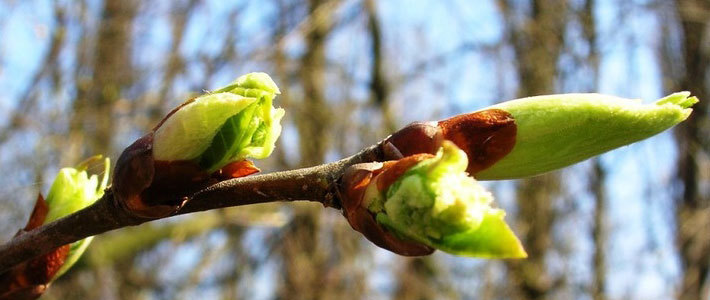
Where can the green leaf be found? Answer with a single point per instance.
(235, 134)
(231, 124)
(187, 133)
(250, 133)
(492, 239)
(73, 190)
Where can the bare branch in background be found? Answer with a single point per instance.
(598, 176)
(379, 88)
(91, 124)
(302, 247)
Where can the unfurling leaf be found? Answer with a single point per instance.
(72, 190)
(231, 124)
(200, 142)
(431, 200)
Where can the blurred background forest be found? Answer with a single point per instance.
(89, 76)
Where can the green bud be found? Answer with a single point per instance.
(72, 190)
(555, 131)
(230, 124)
(436, 203)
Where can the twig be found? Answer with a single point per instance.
(312, 184)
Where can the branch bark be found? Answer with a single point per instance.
(318, 183)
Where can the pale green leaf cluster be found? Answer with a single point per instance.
(436, 203)
(230, 124)
(72, 190)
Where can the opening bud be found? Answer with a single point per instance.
(204, 140)
(72, 190)
(431, 200)
(228, 125)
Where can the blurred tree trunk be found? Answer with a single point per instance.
(179, 17)
(537, 44)
(598, 176)
(315, 118)
(379, 88)
(423, 278)
(283, 74)
(417, 277)
(92, 124)
(303, 257)
(693, 206)
(103, 72)
(302, 254)
(599, 233)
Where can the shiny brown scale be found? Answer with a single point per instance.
(486, 136)
(149, 188)
(29, 279)
(354, 184)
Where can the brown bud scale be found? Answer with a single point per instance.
(392, 170)
(415, 138)
(486, 136)
(354, 183)
(29, 279)
(151, 188)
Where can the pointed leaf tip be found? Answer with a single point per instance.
(555, 131)
(682, 99)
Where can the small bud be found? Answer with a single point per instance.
(72, 190)
(204, 140)
(430, 200)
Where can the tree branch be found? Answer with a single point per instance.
(312, 184)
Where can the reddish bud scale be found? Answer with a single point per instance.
(133, 174)
(42, 269)
(237, 169)
(38, 215)
(29, 292)
(486, 136)
(355, 182)
(29, 279)
(392, 170)
(415, 138)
